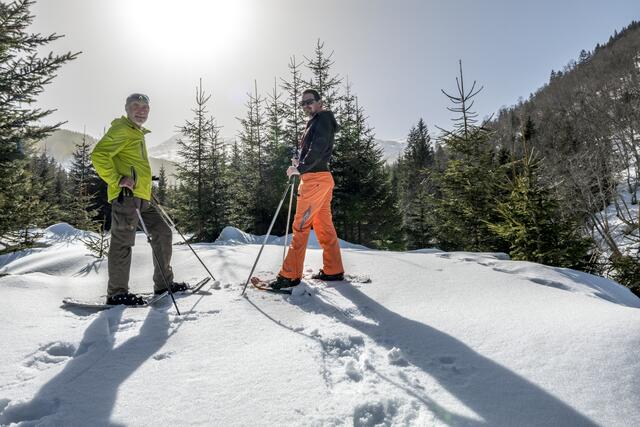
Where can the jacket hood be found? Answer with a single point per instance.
(329, 114)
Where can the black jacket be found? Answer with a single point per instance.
(317, 143)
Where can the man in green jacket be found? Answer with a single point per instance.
(121, 160)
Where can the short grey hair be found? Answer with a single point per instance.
(139, 97)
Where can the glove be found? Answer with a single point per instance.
(292, 170)
(127, 182)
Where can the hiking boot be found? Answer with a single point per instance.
(321, 275)
(125, 299)
(283, 282)
(175, 287)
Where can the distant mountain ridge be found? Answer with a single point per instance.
(168, 150)
(61, 144)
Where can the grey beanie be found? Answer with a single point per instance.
(137, 97)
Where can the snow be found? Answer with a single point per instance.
(434, 338)
(233, 236)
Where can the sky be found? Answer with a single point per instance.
(397, 55)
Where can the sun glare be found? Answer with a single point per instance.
(186, 28)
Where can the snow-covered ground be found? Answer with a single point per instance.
(434, 338)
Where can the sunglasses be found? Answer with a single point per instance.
(307, 102)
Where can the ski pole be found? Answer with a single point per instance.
(167, 219)
(289, 185)
(286, 232)
(155, 256)
(293, 187)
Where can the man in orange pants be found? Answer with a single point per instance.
(313, 209)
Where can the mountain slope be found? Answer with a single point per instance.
(61, 144)
(168, 150)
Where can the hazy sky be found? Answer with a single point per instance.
(397, 54)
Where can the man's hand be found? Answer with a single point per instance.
(295, 162)
(292, 170)
(127, 182)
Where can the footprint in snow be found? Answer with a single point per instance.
(162, 356)
(454, 371)
(190, 316)
(395, 357)
(346, 351)
(32, 411)
(126, 324)
(50, 354)
(381, 413)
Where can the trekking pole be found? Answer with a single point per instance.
(155, 256)
(286, 231)
(167, 219)
(289, 185)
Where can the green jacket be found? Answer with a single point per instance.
(120, 148)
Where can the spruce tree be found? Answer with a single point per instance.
(43, 188)
(239, 196)
(81, 206)
(467, 189)
(416, 184)
(294, 119)
(199, 148)
(278, 156)
(531, 220)
(161, 191)
(322, 79)
(23, 75)
(253, 137)
(217, 203)
(366, 209)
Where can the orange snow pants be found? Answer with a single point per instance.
(313, 210)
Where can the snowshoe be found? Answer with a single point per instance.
(321, 275)
(125, 299)
(175, 287)
(265, 285)
(281, 282)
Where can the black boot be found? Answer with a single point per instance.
(283, 282)
(175, 287)
(321, 275)
(125, 299)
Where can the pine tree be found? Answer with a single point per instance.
(80, 199)
(467, 187)
(416, 167)
(322, 80)
(83, 209)
(43, 186)
(239, 196)
(278, 156)
(531, 220)
(161, 191)
(365, 207)
(293, 117)
(23, 75)
(253, 138)
(217, 203)
(200, 148)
